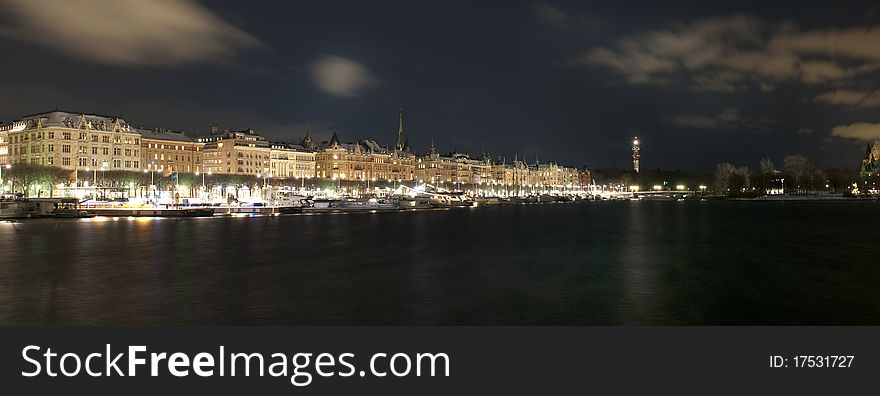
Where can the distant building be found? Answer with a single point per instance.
(869, 174)
(236, 153)
(4, 144)
(871, 162)
(362, 160)
(78, 141)
(74, 141)
(170, 151)
(585, 177)
(292, 160)
(366, 159)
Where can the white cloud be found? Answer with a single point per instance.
(859, 130)
(126, 32)
(739, 52)
(339, 76)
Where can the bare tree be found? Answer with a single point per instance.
(731, 180)
(802, 175)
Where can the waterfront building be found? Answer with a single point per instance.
(236, 153)
(4, 143)
(585, 177)
(292, 160)
(170, 151)
(871, 162)
(444, 170)
(366, 159)
(86, 142)
(869, 173)
(363, 160)
(74, 141)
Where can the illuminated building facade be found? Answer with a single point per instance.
(82, 142)
(869, 174)
(74, 141)
(4, 144)
(291, 161)
(366, 159)
(363, 160)
(236, 153)
(170, 151)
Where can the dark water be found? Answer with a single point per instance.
(588, 263)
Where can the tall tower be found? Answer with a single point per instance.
(401, 140)
(636, 156)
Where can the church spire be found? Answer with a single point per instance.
(307, 139)
(401, 140)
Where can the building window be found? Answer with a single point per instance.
(51, 148)
(65, 148)
(65, 161)
(106, 150)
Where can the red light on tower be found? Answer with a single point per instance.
(636, 156)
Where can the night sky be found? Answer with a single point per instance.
(564, 81)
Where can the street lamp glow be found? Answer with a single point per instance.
(658, 187)
(680, 187)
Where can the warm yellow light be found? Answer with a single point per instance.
(658, 187)
(680, 187)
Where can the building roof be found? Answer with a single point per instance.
(66, 119)
(159, 134)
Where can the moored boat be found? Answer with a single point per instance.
(370, 204)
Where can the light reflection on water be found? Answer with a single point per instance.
(589, 263)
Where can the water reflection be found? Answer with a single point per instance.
(591, 263)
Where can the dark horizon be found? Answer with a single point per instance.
(568, 82)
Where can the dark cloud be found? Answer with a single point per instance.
(729, 118)
(740, 52)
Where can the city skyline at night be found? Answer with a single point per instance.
(570, 81)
